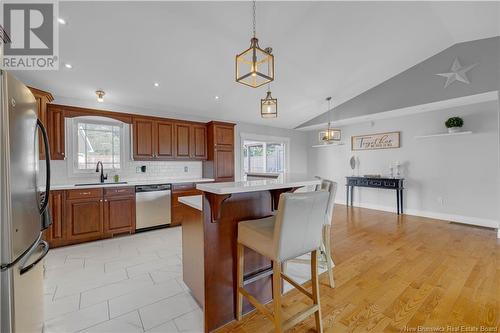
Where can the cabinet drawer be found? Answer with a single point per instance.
(183, 187)
(119, 191)
(84, 193)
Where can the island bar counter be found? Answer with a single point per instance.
(223, 206)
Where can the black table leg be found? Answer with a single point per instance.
(352, 193)
(347, 195)
(401, 199)
(397, 199)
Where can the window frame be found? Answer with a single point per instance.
(72, 130)
(264, 139)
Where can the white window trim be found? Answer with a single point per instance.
(264, 138)
(71, 139)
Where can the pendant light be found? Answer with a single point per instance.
(269, 105)
(330, 134)
(255, 66)
(100, 95)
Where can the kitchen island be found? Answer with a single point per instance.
(209, 243)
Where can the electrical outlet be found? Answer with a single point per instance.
(138, 169)
(186, 169)
(440, 200)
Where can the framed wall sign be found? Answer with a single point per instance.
(375, 141)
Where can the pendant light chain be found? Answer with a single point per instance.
(329, 113)
(254, 19)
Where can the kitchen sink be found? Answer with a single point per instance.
(91, 184)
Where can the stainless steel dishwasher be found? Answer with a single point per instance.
(152, 206)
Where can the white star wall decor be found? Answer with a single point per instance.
(457, 73)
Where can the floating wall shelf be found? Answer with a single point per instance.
(442, 134)
(329, 144)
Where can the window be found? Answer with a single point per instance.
(263, 157)
(97, 140)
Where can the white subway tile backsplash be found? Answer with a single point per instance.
(154, 170)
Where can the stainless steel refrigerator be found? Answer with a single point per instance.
(23, 211)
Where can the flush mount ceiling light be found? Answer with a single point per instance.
(255, 66)
(330, 135)
(269, 106)
(100, 95)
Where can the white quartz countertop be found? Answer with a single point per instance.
(192, 201)
(129, 183)
(284, 181)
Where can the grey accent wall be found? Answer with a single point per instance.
(420, 84)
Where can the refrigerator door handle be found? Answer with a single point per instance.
(45, 202)
(24, 269)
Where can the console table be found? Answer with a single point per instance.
(375, 182)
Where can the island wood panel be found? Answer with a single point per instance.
(164, 139)
(192, 252)
(220, 240)
(143, 139)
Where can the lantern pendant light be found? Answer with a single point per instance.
(255, 66)
(330, 135)
(269, 105)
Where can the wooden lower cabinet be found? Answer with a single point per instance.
(83, 215)
(119, 215)
(84, 219)
(56, 233)
(179, 211)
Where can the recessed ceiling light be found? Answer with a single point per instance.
(69, 66)
(156, 84)
(217, 98)
(61, 20)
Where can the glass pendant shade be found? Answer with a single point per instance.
(255, 66)
(269, 106)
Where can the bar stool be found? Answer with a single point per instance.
(294, 231)
(325, 255)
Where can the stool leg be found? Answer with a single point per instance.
(240, 253)
(315, 290)
(277, 297)
(328, 252)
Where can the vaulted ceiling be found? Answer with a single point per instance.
(337, 49)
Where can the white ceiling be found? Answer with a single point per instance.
(337, 49)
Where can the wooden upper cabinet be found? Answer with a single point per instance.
(199, 142)
(164, 139)
(220, 149)
(143, 139)
(42, 99)
(183, 140)
(56, 132)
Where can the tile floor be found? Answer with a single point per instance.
(126, 284)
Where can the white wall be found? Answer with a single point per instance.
(298, 145)
(463, 171)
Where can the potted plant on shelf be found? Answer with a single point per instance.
(454, 124)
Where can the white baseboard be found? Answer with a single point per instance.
(433, 215)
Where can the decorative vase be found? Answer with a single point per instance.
(454, 129)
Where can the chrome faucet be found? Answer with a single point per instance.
(103, 178)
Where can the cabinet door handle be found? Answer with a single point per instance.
(85, 193)
(100, 200)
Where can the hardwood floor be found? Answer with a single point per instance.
(398, 273)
